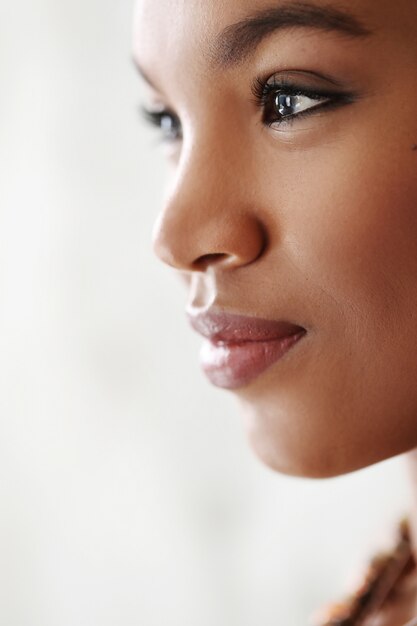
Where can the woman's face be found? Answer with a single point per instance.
(291, 129)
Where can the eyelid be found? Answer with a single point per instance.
(150, 114)
(311, 79)
(311, 84)
(262, 92)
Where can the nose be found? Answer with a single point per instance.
(208, 218)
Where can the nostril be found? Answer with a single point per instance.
(206, 260)
(227, 242)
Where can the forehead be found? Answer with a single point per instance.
(187, 31)
(170, 27)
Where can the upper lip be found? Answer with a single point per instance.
(228, 328)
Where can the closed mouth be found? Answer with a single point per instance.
(237, 349)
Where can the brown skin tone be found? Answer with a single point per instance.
(313, 221)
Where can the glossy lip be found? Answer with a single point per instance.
(237, 349)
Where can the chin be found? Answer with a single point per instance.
(298, 461)
(287, 450)
(311, 448)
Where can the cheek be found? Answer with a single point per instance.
(350, 398)
(359, 243)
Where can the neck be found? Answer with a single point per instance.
(411, 461)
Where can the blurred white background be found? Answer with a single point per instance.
(128, 493)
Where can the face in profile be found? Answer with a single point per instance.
(291, 131)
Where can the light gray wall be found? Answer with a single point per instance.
(128, 494)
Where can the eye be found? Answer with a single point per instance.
(286, 103)
(283, 102)
(166, 121)
(289, 105)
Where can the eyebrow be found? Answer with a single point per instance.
(237, 41)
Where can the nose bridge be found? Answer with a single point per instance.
(207, 215)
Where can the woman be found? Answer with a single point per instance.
(291, 130)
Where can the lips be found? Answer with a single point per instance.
(237, 349)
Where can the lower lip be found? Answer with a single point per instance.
(231, 366)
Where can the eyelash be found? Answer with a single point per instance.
(266, 95)
(156, 118)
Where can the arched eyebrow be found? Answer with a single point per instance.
(237, 41)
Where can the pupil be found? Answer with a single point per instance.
(287, 105)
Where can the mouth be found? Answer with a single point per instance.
(237, 349)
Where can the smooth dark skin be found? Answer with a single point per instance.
(314, 221)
